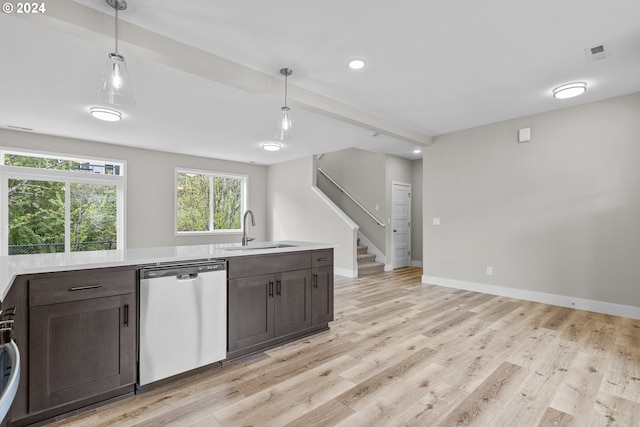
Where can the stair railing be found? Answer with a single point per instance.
(380, 223)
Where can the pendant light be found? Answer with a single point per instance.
(116, 87)
(284, 126)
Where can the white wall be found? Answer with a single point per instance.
(150, 186)
(559, 215)
(297, 211)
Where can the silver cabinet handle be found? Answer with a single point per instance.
(126, 315)
(84, 288)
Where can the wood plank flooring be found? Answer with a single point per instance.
(402, 353)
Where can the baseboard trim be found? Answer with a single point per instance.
(345, 272)
(553, 299)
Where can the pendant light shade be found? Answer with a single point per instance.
(285, 125)
(116, 86)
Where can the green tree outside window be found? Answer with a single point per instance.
(208, 202)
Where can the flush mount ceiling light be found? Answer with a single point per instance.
(284, 126)
(357, 63)
(116, 87)
(569, 90)
(106, 114)
(271, 146)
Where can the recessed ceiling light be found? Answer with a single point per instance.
(417, 151)
(569, 90)
(106, 114)
(272, 146)
(357, 63)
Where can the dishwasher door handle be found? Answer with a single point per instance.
(187, 277)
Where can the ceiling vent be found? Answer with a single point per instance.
(596, 53)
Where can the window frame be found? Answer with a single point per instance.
(67, 177)
(244, 197)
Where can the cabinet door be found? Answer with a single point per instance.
(80, 349)
(322, 295)
(250, 311)
(293, 301)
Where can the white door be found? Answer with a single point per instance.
(401, 223)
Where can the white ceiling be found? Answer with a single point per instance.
(205, 72)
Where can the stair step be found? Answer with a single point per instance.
(366, 258)
(367, 262)
(370, 268)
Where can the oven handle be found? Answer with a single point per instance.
(190, 277)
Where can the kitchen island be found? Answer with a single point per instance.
(76, 320)
(11, 266)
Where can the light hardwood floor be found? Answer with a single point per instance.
(404, 353)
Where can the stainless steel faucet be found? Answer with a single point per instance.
(246, 239)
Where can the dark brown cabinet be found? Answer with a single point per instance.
(322, 287)
(292, 300)
(81, 343)
(322, 295)
(271, 300)
(80, 349)
(251, 322)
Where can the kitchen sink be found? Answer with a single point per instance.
(259, 247)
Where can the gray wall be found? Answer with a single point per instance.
(362, 174)
(368, 177)
(150, 186)
(559, 214)
(416, 212)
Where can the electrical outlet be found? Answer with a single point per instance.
(489, 270)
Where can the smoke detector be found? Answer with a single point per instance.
(596, 53)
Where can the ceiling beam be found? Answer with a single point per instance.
(91, 24)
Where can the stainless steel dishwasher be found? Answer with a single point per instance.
(183, 318)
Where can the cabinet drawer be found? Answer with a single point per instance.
(322, 258)
(255, 265)
(80, 285)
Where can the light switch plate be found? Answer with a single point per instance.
(436, 221)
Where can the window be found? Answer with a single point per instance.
(209, 202)
(53, 203)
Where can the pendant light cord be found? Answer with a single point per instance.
(116, 28)
(285, 89)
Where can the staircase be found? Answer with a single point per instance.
(367, 262)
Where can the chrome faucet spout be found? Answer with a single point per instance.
(246, 239)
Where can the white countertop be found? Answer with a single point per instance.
(11, 266)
